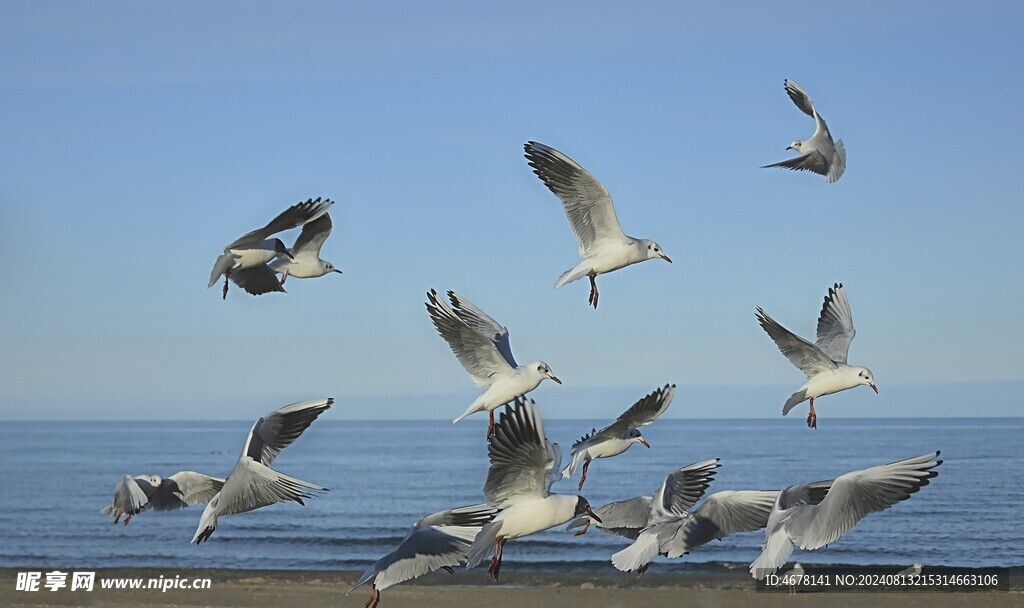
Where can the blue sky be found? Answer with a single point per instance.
(138, 139)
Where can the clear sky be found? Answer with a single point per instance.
(137, 139)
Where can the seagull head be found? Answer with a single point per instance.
(796, 145)
(544, 370)
(280, 249)
(328, 267)
(864, 377)
(635, 436)
(654, 250)
(583, 509)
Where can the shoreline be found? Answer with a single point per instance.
(314, 588)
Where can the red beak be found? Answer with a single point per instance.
(644, 442)
(874, 387)
(555, 379)
(666, 258)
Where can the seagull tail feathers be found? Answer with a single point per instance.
(794, 400)
(775, 554)
(208, 522)
(635, 556)
(573, 274)
(483, 543)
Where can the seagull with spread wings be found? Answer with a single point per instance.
(252, 483)
(481, 344)
(524, 465)
(824, 362)
(618, 436)
(603, 245)
(814, 515)
(440, 540)
(245, 261)
(819, 154)
(305, 262)
(134, 495)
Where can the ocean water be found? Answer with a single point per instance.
(55, 476)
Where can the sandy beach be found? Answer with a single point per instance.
(322, 588)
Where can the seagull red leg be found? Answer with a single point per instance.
(812, 418)
(593, 291)
(640, 571)
(225, 295)
(586, 465)
(584, 530)
(490, 427)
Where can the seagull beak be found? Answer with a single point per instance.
(644, 441)
(789, 147)
(554, 378)
(874, 387)
(290, 256)
(336, 270)
(666, 258)
(594, 517)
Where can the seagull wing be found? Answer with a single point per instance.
(587, 203)
(483, 324)
(312, 237)
(722, 514)
(519, 457)
(276, 430)
(835, 325)
(857, 494)
(292, 217)
(812, 161)
(682, 489)
(129, 498)
(800, 97)
(807, 357)
(257, 280)
(435, 541)
(641, 413)
(476, 352)
(252, 485)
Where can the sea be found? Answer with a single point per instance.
(56, 476)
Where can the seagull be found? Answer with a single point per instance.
(183, 489)
(914, 570)
(305, 262)
(794, 575)
(819, 154)
(252, 483)
(618, 436)
(602, 244)
(524, 464)
(814, 515)
(245, 260)
(824, 362)
(481, 345)
(440, 540)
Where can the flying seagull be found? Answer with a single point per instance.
(602, 244)
(524, 464)
(305, 262)
(824, 362)
(252, 483)
(676, 528)
(481, 344)
(440, 540)
(134, 495)
(819, 154)
(245, 260)
(618, 436)
(814, 515)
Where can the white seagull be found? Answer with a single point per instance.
(440, 540)
(819, 154)
(245, 260)
(814, 515)
(305, 262)
(134, 495)
(524, 464)
(252, 483)
(603, 245)
(824, 363)
(618, 436)
(482, 346)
